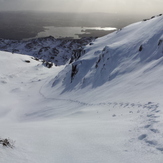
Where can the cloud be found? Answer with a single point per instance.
(121, 6)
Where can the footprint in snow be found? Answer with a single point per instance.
(160, 149)
(3, 82)
(154, 130)
(150, 115)
(147, 126)
(151, 142)
(143, 136)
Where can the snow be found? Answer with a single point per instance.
(111, 111)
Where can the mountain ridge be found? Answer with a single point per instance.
(116, 54)
(49, 49)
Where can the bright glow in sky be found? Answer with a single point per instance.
(108, 6)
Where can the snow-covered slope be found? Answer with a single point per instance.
(106, 106)
(137, 48)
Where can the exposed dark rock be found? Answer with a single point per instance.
(140, 48)
(15, 51)
(27, 61)
(76, 54)
(98, 62)
(55, 51)
(47, 64)
(43, 49)
(7, 143)
(48, 48)
(73, 71)
(145, 19)
(29, 45)
(160, 41)
(35, 58)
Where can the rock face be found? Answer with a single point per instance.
(49, 49)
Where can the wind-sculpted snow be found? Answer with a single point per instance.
(57, 51)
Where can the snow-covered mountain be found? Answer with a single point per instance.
(104, 105)
(49, 49)
(135, 48)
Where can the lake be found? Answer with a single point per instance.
(74, 32)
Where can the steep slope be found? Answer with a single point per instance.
(132, 53)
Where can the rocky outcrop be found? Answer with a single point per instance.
(57, 51)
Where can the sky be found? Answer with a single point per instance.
(107, 6)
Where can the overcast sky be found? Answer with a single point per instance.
(109, 6)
